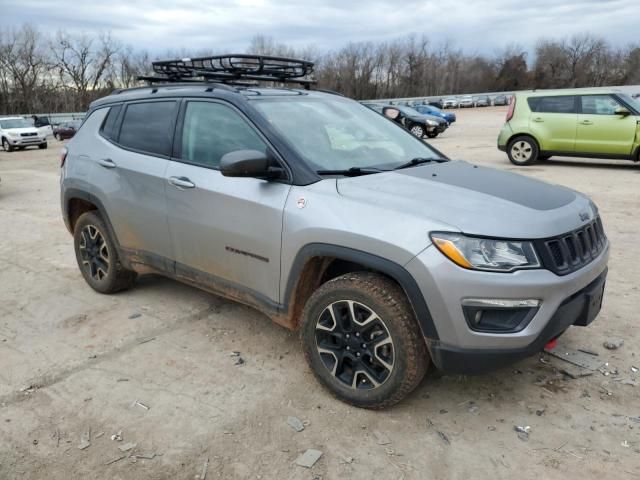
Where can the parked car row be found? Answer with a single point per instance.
(421, 121)
(19, 132)
(468, 101)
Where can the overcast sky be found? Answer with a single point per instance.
(227, 25)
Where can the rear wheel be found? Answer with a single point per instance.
(362, 341)
(97, 255)
(522, 150)
(417, 130)
(432, 134)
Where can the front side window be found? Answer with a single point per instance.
(212, 130)
(336, 133)
(598, 105)
(148, 127)
(556, 104)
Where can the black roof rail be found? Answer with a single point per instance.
(235, 69)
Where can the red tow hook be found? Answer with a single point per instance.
(551, 344)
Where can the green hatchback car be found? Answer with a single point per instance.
(576, 123)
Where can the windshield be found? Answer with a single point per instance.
(336, 134)
(15, 123)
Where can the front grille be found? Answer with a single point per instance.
(569, 252)
(28, 134)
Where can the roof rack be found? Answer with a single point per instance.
(235, 69)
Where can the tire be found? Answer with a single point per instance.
(522, 150)
(6, 146)
(432, 134)
(97, 256)
(417, 130)
(58, 137)
(383, 372)
(42, 146)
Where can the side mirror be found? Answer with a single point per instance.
(622, 111)
(392, 113)
(248, 163)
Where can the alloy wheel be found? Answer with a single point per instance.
(94, 252)
(354, 345)
(417, 131)
(521, 151)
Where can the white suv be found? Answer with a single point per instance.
(18, 132)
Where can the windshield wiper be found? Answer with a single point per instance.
(419, 161)
(351, 172)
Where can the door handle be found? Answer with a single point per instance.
(106, 163)
(181, 182)
(586, 122)
(538, 119)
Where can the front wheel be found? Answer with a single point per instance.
(362, 341)
(417, 130)
(42, 146)
(7, 147)
(433, 134)
(522, 150)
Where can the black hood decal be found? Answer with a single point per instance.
(515, 188)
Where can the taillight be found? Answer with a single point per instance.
(512, 107)
(63, 156)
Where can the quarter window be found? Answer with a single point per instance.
(598, 105)
(212, 130)
(556, 104)
(109, 124)
(148, 127)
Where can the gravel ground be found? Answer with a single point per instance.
(155, 363)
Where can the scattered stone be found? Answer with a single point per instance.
(122, 380)
(127, 446)
(99, 435)
(141, 405)
(135, 315)
(35, 441)
(234, 354)
(347, 460)
(381, 438)
(613, 343)
(634, 369)
(523, 432)
(540, 412)
(117, 437)
(145, 340)
(444, 437)
(295, 423)
(491, 428)
(146, 456)
(443, 411)
(85, 440)
(625, 444)
(309, 458)
(239, 361)
(473, 408)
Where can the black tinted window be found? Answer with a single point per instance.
(148, 127)
(109, 124)
(564, 104)
(211, 130)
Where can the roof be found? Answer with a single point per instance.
(205, 90)
(568, 91)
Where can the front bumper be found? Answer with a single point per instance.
(26, 141)
(460, 349)
(573, 311)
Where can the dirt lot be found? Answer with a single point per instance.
(74, 361)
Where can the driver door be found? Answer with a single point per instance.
(224, 230)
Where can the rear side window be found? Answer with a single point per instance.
(108, 129)
(148, 127)
(598, 105)
(212, 130)
(556, 104)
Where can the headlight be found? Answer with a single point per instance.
(486, 254)
(13, 135)
(432, 123)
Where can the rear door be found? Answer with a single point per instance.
(553, 122)
(600, 130)
(224, 230)
(130, 161)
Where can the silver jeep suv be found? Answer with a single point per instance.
(335, 222)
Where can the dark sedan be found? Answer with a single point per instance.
(66, 130)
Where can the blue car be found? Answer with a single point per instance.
(436, 112)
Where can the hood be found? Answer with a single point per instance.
(474, 200)
(18, 131)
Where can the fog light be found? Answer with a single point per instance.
(499, 315)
